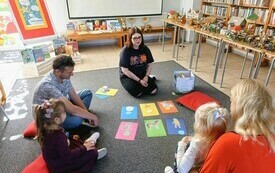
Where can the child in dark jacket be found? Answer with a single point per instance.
(61, 154)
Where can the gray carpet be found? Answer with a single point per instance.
(148, 155)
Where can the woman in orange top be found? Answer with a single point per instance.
(251, 147)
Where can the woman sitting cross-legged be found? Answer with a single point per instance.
(135, 66)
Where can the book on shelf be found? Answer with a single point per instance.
(27, 56)
(272, 19)
(59, 44)
(70, 27)
(38, 54)
(258, 30)
(270, 32)
(113, 25)
(74, 45)
(45, 49)
(76, 58)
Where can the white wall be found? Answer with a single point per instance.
(185, 5)
(59, 15)
(58, 12)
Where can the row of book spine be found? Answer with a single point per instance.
(270, 31)
(214, 10)
(261, 3)
(272, 19)
(246, 12)
(221, 1)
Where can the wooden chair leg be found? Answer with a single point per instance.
(2, 111)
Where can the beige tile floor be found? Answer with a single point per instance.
(107, 56)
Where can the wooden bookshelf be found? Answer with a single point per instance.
(121, 36)
(270, 28)
(265, 9)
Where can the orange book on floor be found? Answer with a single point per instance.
(167, 107)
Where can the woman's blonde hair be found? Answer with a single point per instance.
(252, 111)
(211, 122)
(45, 115)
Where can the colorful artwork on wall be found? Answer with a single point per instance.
(8, 32)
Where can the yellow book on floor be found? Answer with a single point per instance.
(106, 91)
(149, 109)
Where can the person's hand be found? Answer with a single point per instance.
(94, 121)
(186, 139)
(3, 100)
(145, 79)
(143, 83)
(89, 145)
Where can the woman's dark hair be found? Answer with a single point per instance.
(130, 35)
(45, 115)
(63, 61)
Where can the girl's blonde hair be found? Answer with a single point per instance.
(252, 111)
(45, 115)
(211, 122)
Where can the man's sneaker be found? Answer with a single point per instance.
(87, 123)
(101, 153)
(93, 137)
(168, 169)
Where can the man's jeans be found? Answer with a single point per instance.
(73, 121)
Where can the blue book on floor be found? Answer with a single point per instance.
(129, 112)
(175, 126)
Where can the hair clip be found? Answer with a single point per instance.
(216, 114)
(48, 107)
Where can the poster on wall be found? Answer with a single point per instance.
(8, 33)
(32, 18)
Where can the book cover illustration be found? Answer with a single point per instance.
(149, 109)
(27, 56)
(127, 131)
(129, 112)
(167, 107)
(175, 126)
(154, 128)
(59, 45)
(38, 54)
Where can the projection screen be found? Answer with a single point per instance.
(83, 9)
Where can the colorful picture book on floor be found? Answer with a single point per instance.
(129, 112)
(154, 127)
(149, 109)
(127, 131)
(175, 126)
(105, 90)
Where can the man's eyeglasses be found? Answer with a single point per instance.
(136, 38)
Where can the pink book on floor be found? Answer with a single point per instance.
(127, 131)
